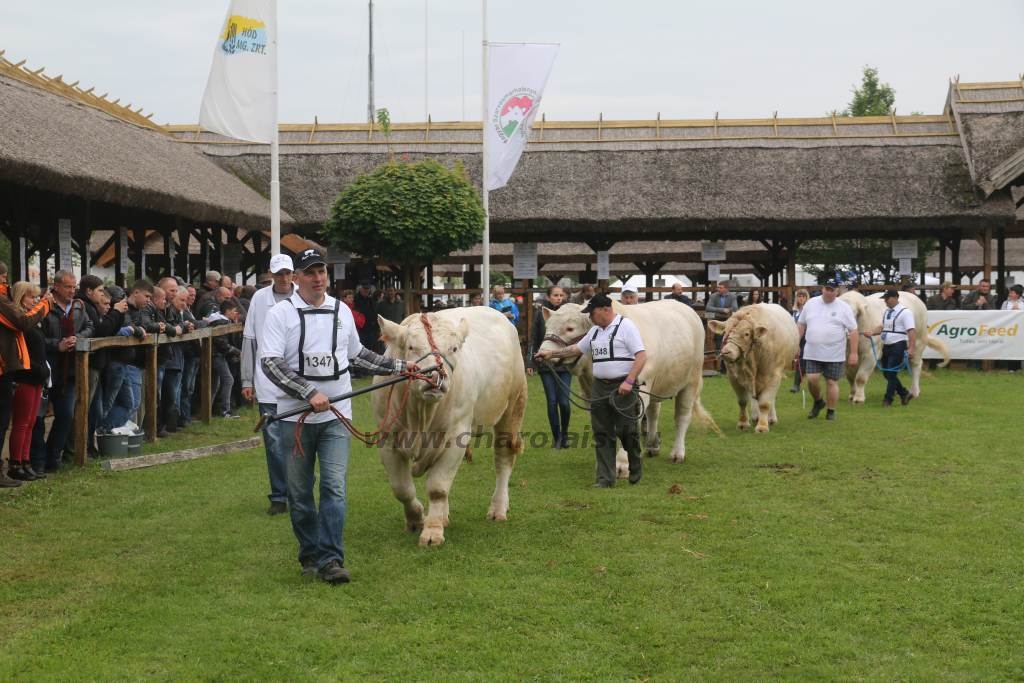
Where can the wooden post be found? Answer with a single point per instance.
(151, 389)
(205, 383)
(986, 252)
(80, 430)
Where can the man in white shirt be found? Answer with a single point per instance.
(307, 345)
(828, 325)
(256, 386)
(618, 354)
(897, 333)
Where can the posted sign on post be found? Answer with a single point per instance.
(524, 260)
(712, 251)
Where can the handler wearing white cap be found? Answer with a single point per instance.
(629, 296)
(255, 384)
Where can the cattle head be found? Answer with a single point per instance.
(563, 328)
(427, 340)
(740, 333)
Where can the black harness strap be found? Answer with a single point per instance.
(611, 344)
(338, 372)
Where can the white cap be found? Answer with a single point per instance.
(629, 289)
(280, 262)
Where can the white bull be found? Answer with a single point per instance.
(759, 345)
(428, 431)
(673, 338)
(869, 311)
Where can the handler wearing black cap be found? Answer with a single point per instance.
(897, 332)
(618, 354)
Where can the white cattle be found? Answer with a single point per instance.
(428, 430)
(869, 311)
(673, 338)
(759, 345)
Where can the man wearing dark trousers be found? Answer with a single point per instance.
(617, 350)
(897, 333)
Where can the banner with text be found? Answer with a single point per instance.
(241, 94)
(978, 335)
(517, 74)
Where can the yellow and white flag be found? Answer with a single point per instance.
(241, 95)
(517, 74)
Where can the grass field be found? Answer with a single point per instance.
(884, 546)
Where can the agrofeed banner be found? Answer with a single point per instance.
(978, 335)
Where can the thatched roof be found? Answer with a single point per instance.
(56, 140)
(990, 117)
(668, 180)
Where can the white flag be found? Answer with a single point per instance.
(241, 95)
(517, 74)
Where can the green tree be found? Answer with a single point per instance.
(871, 98)
(409, 213)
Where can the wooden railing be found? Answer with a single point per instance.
(204, 336)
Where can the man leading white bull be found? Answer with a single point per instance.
(618, 355)
(897, 333)
(308, 344)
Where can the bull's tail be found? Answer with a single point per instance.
(941, 347)
(704, 417)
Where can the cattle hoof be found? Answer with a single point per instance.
(497, 516)
(762, 430)
(741, 425)
(412, 525)
(652, 453)
(677, 457)
(433, 534)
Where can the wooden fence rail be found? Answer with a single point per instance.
(204, 336)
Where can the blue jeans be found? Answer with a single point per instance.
(62, 398)
(319, 533)
(277, 457)
(556, 390)
(128, 400)
(112, 379)
(223, 381)
(189, 372)
(170, 397)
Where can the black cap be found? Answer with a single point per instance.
(115, 293)
(891, 292)
(1019, 289)
(310, 258)
(598, 301)
(832, 283)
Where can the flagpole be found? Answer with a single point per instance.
(275, 182)
(485, 267)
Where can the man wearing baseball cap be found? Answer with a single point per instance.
(308, 345)
(256, 386)
(629, 296)
(618, 353)
(829, 325)
(897, 333)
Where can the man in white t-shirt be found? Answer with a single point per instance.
(255, 384)
(618, 353)
(897, 333)
(307, 346)
(829, 327)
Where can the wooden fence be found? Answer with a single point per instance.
(204, 336)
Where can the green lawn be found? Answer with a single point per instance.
(884, 546)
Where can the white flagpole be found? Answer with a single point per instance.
(485, 267)
(275, 183)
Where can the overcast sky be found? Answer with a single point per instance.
(627, 59)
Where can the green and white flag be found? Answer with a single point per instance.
(241, 94)
(516, 76)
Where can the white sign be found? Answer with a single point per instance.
(905, 267)
(712, 251)
(979, 335)
(122, 252)
(902, 249)
(64, 240)
(714, 272)
(602, 265)
(241, 94)
(524, 260)
(516, 76)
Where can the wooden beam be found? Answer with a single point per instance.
(121, 464)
